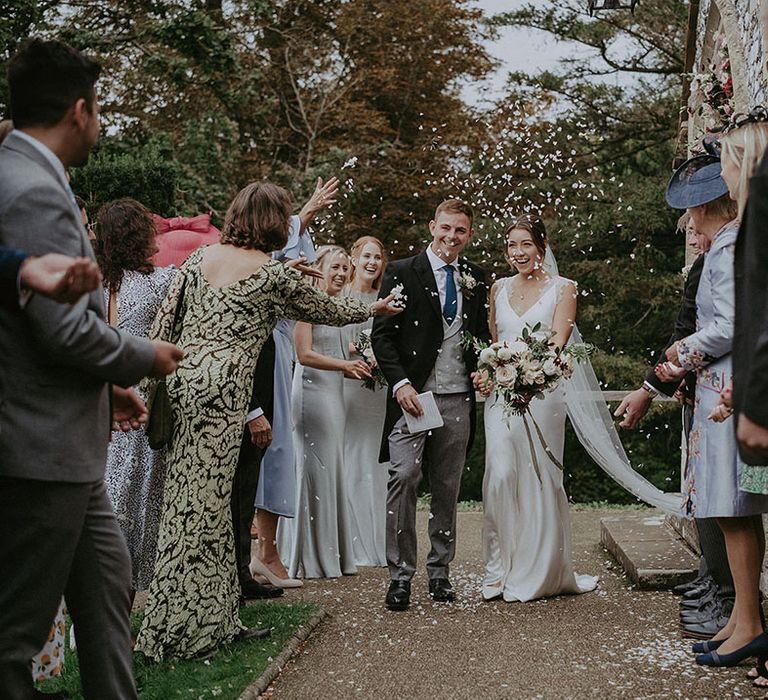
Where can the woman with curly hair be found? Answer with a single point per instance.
(134, 289)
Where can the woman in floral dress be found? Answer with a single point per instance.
(230, 297)
(134, 289)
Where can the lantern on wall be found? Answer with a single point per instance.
(600, 5)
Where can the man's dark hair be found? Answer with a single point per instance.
(45, 79)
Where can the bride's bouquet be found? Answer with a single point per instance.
(364, 348)
(527, 369)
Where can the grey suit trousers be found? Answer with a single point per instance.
(443, 450)
(62, 538)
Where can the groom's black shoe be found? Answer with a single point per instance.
(441, 591)
(399, 595)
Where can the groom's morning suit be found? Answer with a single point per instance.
(425, 348)
(58, 533)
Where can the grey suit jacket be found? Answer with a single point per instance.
(55, 359)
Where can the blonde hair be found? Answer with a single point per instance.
(325, 255)
(746, 147)
(357, 248)
(258, 218)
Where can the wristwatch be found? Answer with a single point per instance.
(650, 389)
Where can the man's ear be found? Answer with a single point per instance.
(432, 226)
(471, 232)
(79, 113)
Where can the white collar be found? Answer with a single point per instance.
(47, 153)
(438, 263)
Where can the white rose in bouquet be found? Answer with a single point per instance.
(504, 353)
(506, 375)
(529, 377)
(518, 346)
(487, 356)
(539, 377)
(531, 366)
(550, 368)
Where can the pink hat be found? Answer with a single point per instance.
(177, 238)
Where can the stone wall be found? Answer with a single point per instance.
(741, 23)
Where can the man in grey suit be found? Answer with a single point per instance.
(58, 533)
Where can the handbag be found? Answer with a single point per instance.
(159, 428)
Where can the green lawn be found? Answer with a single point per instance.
(223, 676)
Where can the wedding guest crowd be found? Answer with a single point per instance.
(262, 350)
(717, 335)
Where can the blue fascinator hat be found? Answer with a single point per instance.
(697, 181)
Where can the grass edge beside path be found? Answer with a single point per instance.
(227, 675)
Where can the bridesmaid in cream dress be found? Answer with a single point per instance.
(526, 526)
(364, 412)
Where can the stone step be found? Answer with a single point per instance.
(651, 552)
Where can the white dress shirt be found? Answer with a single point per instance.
(437, 265)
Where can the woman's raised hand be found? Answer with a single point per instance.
(384, 307)
(356, 369)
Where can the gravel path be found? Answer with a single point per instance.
(615, 642)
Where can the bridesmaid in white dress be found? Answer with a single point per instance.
(364, 411)
(321, 534)
(526, 526)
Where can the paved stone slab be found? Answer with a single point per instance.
(653, 555)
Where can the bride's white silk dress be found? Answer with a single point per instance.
(526, 525)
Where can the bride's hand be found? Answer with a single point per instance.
(383, 307)
(482, 382)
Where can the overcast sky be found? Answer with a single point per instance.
(518, 49)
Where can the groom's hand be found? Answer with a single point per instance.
(408, 399)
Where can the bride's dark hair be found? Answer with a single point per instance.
(534, 225)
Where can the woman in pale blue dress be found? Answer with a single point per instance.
(711, 488)
(321, 544)
(276, 491)
(364, 412)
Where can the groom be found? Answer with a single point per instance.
(421, 350)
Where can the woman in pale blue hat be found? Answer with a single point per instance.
(711, 488)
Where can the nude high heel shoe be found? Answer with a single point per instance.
(259, 568)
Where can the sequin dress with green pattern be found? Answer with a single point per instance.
(192, 607)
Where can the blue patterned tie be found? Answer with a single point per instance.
(451, 300)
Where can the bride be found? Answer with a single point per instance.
(526, 526)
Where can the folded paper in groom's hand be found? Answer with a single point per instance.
(431, 417)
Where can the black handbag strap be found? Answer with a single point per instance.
(176, 329)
